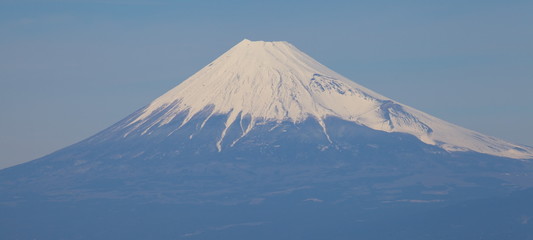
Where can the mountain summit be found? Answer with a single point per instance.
(260, 82)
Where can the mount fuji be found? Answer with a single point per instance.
(273, 82)
(267, 143)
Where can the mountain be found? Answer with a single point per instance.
(267, 143)
(262, 82)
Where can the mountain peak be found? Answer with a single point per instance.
(276, 82)
(261, 42)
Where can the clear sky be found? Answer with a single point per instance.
(70, 68)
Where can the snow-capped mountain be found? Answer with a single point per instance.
(275, 82)
(267, 143)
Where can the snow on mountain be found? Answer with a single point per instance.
(274, 81)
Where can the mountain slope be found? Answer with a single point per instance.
(275, 82)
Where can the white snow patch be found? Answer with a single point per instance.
(274, 81)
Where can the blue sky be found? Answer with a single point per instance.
(68, 69)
